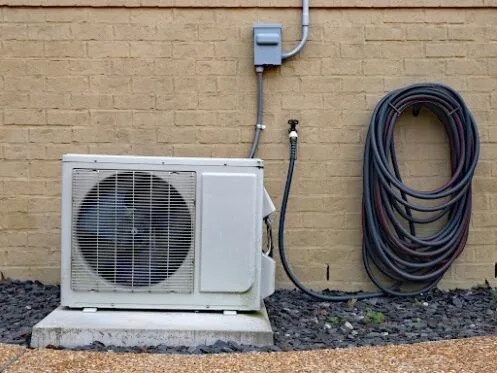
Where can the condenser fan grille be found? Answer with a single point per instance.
(133, 231)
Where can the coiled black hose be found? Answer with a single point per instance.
(397, 260)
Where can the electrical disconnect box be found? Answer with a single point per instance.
(267, 44)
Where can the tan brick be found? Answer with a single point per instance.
(90, 101)
(111, 117)
(109, 15)
(307, 101)
(157, 150)
(24, 116)
(448, 49)
(17, 220)
(488, 49)
(67, 84)
(15, 48)
(133, 66)
(47, 100)
(13, 135)
(68, 117)
(466, 32)
(150, 49)
(195, 118)
(481, 84)
(56, 151)
(195, 50)
(185, 101)
(384, 33)
(44, 204)
(55, 31)
(50, 135)
(404, 16)
(176, 67)
(212, 32)
(177, 32)
(47, 67)
(12, 31)
(362, 84)
(24, 151)
(43, 239)
(60, 14)
(176, 135)
(216, 136)
(153, 118)
(444, 16)
(135, 32)
(216, 67)
(118, 149)
(344, 33)
(425, 32)
(342, 67)
(134, 101)
(316, 84)
(64, 49)
(382, 67)
(14, 100)
(193, 16)
(40, 256)
(91, 31)
(24, 83)
(423, 67)
(20, 15)
(151, 16)
(217, 101)
(13, 239)
(298, 68)
(402, 49)
(110, 84)
(12, 67)
(14, 204)
(102, 49)
(93, 135)
(202, 84)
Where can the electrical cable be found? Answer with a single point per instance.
(305, 32)
(260, 109)
(398, 261)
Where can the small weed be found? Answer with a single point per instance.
(418, 303)
(374, 317)
(351, 303)
(335, 321)
(493, 293)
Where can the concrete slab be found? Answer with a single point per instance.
(73, 328)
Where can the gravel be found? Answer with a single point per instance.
(299, 323)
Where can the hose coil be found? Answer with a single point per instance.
(392, 210)
(397, 259)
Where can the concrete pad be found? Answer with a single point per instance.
(473, 355)
(9, 354)
(73, 328)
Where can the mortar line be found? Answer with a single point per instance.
(9, 363)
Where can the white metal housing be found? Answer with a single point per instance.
(217, 233)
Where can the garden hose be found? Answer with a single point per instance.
(399, 261)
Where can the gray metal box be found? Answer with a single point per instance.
(267, 44)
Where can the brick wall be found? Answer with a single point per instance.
(180, 81)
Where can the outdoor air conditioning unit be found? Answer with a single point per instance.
(164, 233)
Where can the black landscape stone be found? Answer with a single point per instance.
(299, 322)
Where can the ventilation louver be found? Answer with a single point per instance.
(134, 230)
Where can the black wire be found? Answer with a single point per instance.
(395, 257)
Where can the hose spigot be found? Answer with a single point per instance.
(292, 131)
(293, 125)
